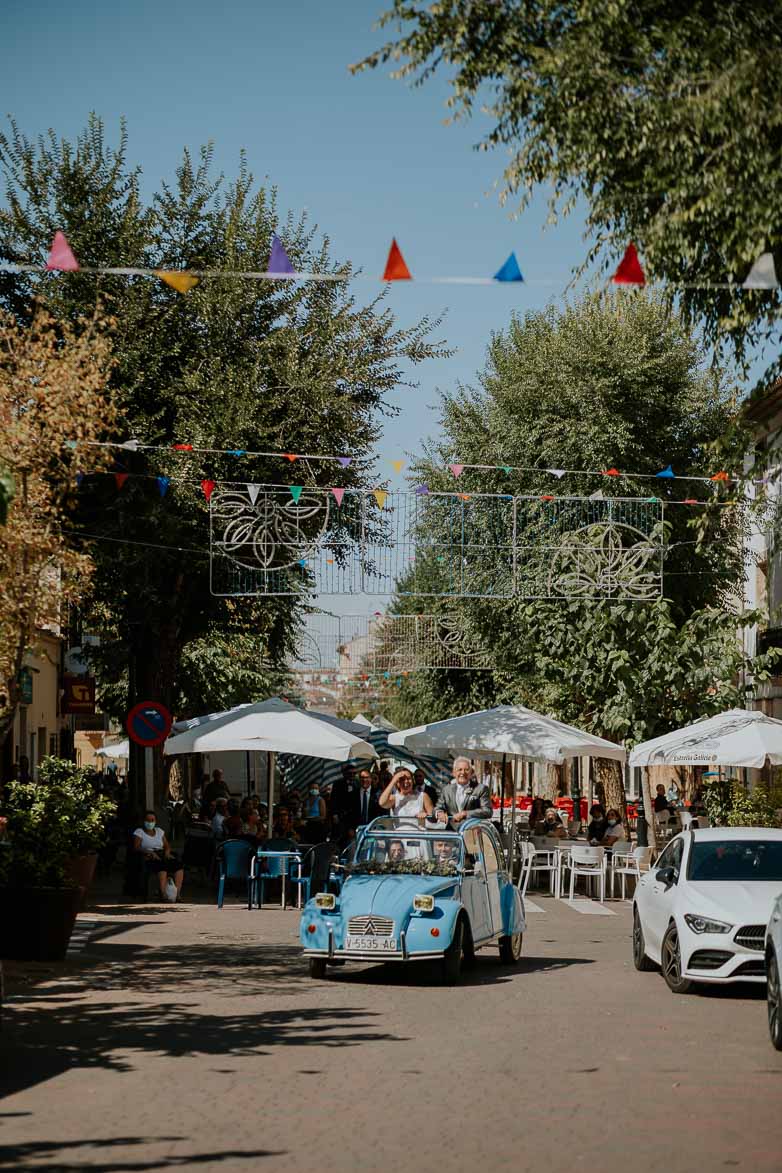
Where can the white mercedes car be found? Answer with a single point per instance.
(701, 912)
(773, 969)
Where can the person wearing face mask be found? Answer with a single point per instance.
(614, 830)
(155, 850)
(314, 815)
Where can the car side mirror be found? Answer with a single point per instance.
(667, 876)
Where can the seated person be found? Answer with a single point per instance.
(151, 841)
(396, 851)
(218, 822)
(551, 824)
(444, 853)
(597, 824)
(233, 821)
(661, 802)
(283, 827)
(614, 830)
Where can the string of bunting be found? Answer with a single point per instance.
(456, 468)
(62, 259)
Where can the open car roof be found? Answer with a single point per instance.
(408, 828)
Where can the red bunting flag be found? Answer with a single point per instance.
(183, 447)
(720, 476)
(629, 271)
(61, 255)
(548, 497)
(208, 487)
(610, 472)
(690, 501)
(291, 456)
(396, 269)
(120, 478)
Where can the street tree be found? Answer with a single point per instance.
(233, 364)
(54, 382)
(661, 120)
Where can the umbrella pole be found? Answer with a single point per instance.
(502, 794)
(512, 819)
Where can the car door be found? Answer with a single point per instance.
(475, 888)
(659, 905)
(493, 867)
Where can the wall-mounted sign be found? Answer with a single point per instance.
(78, 694)
(25, 687)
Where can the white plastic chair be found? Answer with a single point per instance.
(527, 852)
(633, 863)
(685, 818)
(546, 860)
(619, 853)
(589, 862)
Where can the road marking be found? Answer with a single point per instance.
(530, 907)
(590, 907)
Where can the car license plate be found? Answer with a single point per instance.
(370, 944)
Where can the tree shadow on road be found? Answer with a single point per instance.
(487, 971)
(27, 1156)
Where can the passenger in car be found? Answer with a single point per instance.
(396, 851)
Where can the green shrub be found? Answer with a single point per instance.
(730, 804)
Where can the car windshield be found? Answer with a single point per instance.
(397, 853)
(735, 859)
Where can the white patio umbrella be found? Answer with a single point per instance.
(737, 737)
(272, 726)
(508, 730)
(120, 749)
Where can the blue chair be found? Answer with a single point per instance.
(233, 862)
(300, 874)
(272, 861)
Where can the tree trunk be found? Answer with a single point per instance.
(610, 777)
(548, 779)
(646, 795)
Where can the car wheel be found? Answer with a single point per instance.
(640, 960)
(672, 962)
(452, 961)
(318, 967)
(510, 948)
(774, 995)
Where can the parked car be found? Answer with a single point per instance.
(773, 969)
(701, 912)
(417, 895)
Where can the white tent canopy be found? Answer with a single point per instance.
(738, 737)
(510, 730)
(271, 726)
(120, 749)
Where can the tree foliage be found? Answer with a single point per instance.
(254, 365)
(663, 118)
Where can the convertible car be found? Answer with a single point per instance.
(413, 894)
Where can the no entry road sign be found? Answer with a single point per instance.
(148, 723)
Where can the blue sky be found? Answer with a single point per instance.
(368, 157)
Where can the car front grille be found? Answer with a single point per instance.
(751, 937)
(751, 968)
(370, 926)
(709, 958)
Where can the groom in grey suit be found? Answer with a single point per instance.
(463, 799)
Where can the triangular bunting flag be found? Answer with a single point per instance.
(690, 501)
(296, 492)
(182, 447)
(629, 271)
(666, 472)
(208, 488)
(291, 456)
(252, 493)
(70, 443)
(510, 271)
(279, 261)
(557, 472)
(598, 496)
(302, 561)
(61, 255)
(345, 461)
(610, 472)
(338, 494)
(396, 269)
(463, 496)
(130, 445)
(182, 282)
(653, 500)
(456, 469)
(79, 479)
(162, 484)
(120, 478)
(763, 274)
(422, 490)
(380, 496)
(548, 497)
(237, 451)
(398, 465)
(506, 468)
(720, 476)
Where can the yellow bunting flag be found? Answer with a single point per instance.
(398, 465)
(182, 282)
(380, 496)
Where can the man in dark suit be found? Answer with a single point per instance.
(364, 806)
(465, 797)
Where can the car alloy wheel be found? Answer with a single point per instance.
(774, 995)
(640, 960)
(672, 963)
(510, 948)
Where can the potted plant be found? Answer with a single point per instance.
(50, 824)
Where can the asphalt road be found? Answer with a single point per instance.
(191, 1038)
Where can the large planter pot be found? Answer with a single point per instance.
(36, 923)
(80, 870)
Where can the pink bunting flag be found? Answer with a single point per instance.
(338, 494)
(456, 469)
(208, 488)
(61, 255)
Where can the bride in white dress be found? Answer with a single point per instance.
(403, 800)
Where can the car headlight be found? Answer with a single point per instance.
(702, 924)
(423, 903)
(326, 900)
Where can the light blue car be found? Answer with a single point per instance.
(413, 894)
